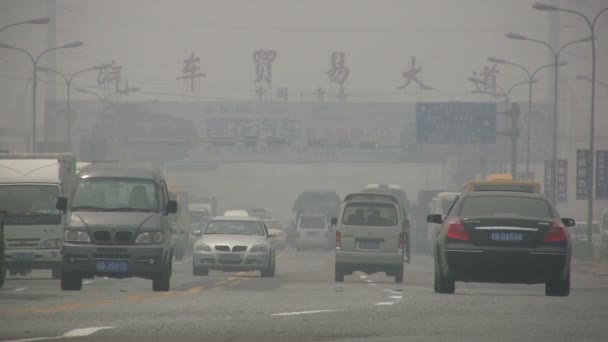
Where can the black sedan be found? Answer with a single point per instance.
(503, 237)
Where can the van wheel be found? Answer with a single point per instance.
(399, 275)
(162, 280)
(200, 272)
(443, 284)
(558, 287)
(71, 282)
(56, 272)
(339, 275)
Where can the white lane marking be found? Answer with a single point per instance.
(395, 297)
(368, 281)
(384, 303)
(20, 289)
(301, 312)
(363, 276)
(87, 282)
(72, 333)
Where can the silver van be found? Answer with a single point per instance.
(370, 236)
(118, 226)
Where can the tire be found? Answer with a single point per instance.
(338, 275)
(558, 287)
(443, 284)
(56, 272)
(3, 272)
(162, 281)
(399, 275)
(178, 252)
(199, 272)
(271, 270)
(71, 281)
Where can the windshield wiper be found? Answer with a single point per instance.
(87, 208)
(147, 210)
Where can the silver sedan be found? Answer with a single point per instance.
(234, 244)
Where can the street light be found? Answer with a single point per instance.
(531, 81)
(68, 83)
(38, 21)
(35, 60)
(590, 180)
(556, 54)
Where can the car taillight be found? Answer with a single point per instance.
(456, 230)
(401, 240)
(338, 239)
(557, 233)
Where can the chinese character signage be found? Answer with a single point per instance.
(562, 180)
(548, 184)
(582, 176)
(601, 175)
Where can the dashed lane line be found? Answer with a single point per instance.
(82, 332)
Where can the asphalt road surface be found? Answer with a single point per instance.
(301, 304)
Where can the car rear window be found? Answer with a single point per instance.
(312, 222)
(370, 214)
(505, 206)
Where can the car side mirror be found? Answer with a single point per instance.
(62, 204)
(434, 218)
(334, 221)
(568, 222)
(171, 207)
(197, 232)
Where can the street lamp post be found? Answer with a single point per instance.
(555, 99)
(590, 182)
(35, 60)
(531, 76)
(68, 83)
(38, 21)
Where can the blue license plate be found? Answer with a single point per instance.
(507, 236)
(369, 244)
(112, 266)
(230, 257)
(23, 256)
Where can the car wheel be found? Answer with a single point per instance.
(399, 275)
(71, 281)
(271, 270)
(558, 287)
(443, 284)
(2, 272)
(162, 280)
(178, 252)
(339, 274)
(56, 272)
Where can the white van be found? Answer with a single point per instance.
(370, 236)
(30, 185)
(312, 231)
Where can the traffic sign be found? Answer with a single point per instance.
(455, 122)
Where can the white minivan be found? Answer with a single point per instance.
(370, 236)
(313, 231)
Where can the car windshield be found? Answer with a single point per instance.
(273, 224)
(233, 227)
(312, 222)
(29, 199)
(479, 206)
(116, 194)
(369, 214)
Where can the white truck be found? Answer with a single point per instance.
(33, 227)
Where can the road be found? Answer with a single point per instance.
(301, 304)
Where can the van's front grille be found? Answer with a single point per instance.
(106, 237)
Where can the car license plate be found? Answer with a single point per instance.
(230, 257)
(112, 266)
(369, 244)
(507, 236)
(23, 256)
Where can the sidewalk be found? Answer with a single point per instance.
(598, 268)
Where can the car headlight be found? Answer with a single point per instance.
(259, 249)
(72, 235)
(201, 247)
(149, 238)
(50, 244)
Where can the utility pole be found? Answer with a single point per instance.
(513, 133)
